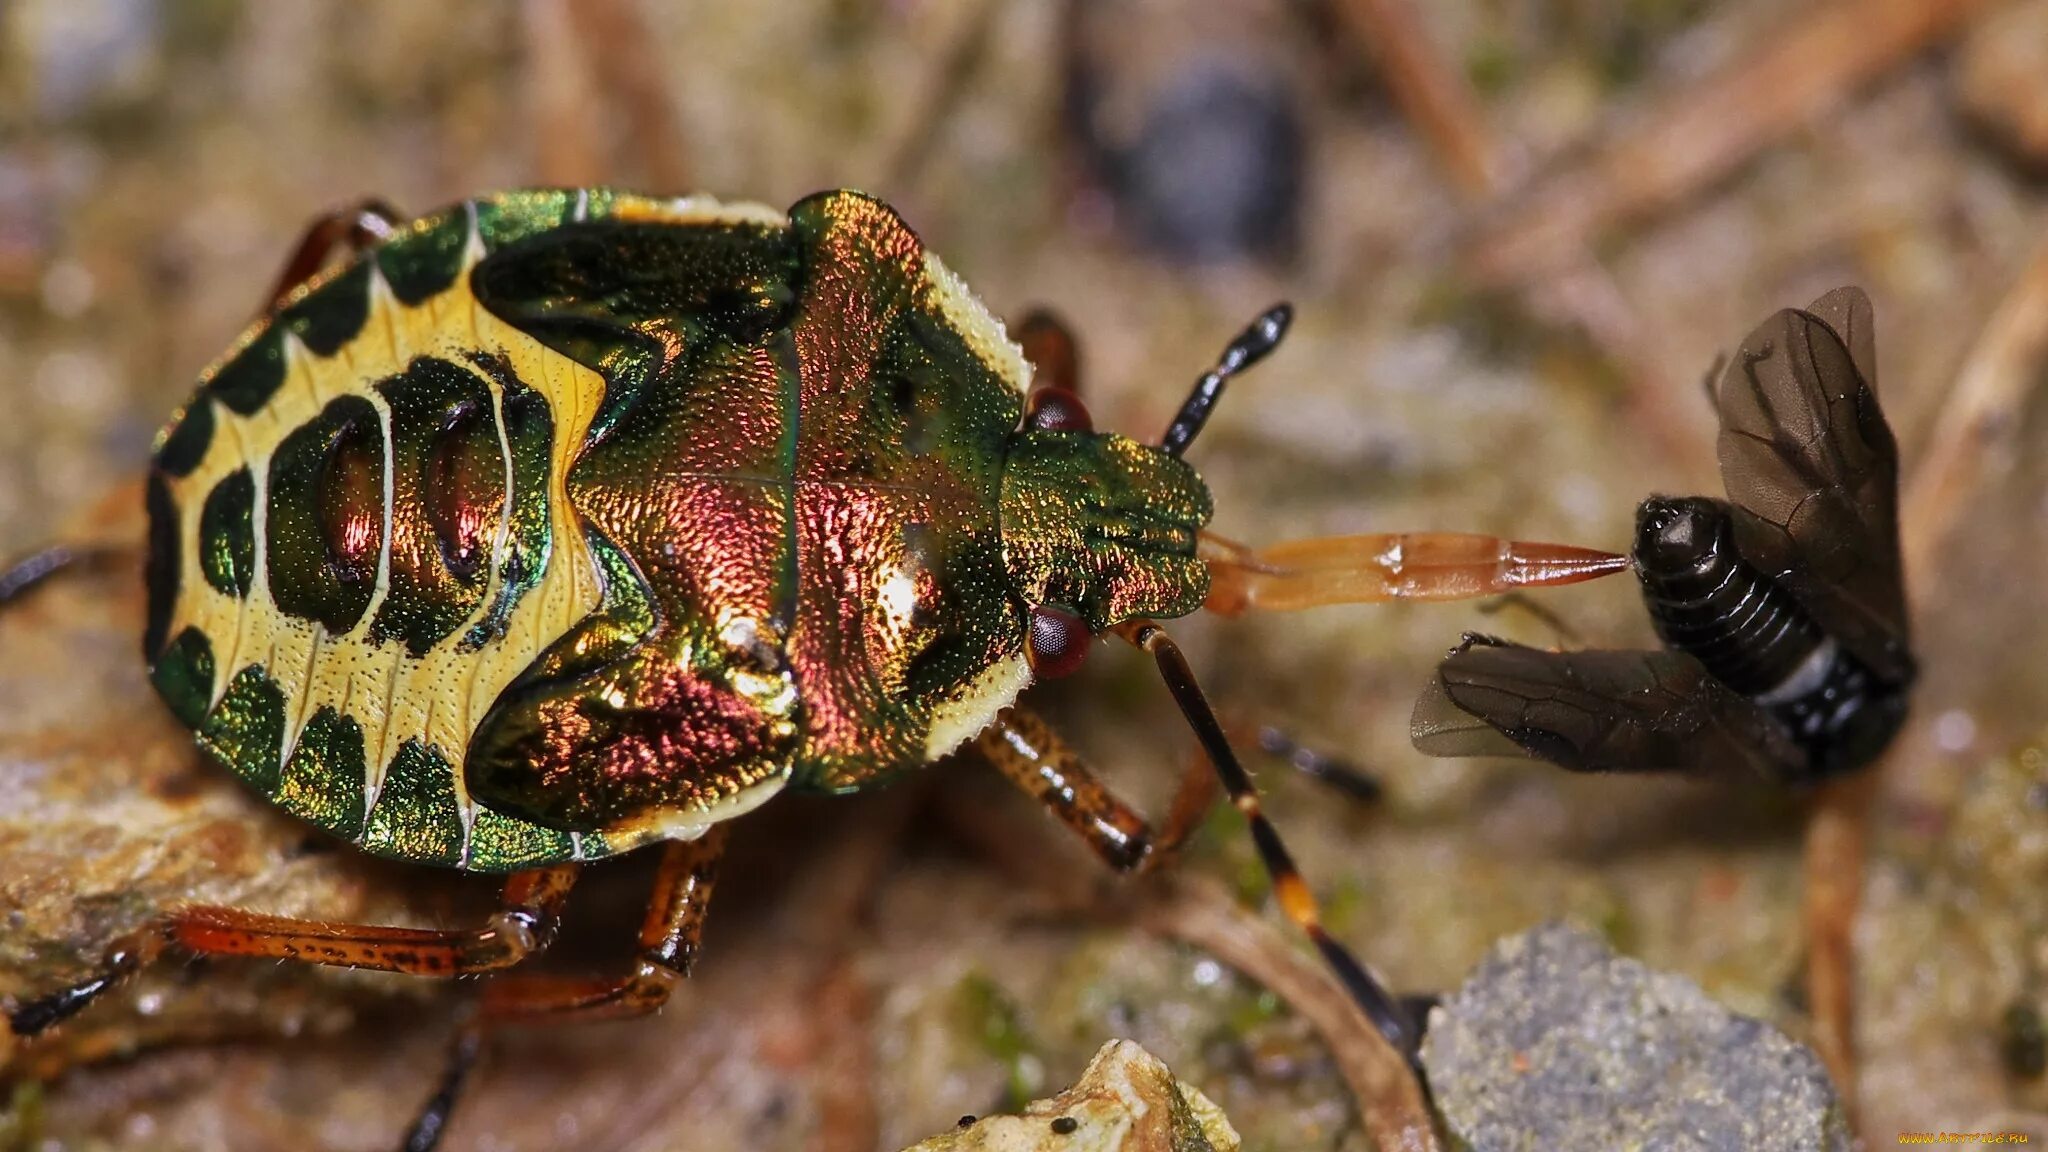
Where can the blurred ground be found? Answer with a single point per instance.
(870, 977)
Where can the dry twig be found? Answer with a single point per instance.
(1434, 95)
(621, 54)
(1704, 132)
(1974, 435)
(1199, 912)
(561, 91)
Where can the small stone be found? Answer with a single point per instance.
(1126, 1101)
(1556, 1042)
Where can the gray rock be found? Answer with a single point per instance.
(1556, 1042)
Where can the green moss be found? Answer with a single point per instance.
(990, 1017)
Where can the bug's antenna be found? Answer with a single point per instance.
(1379, 1005)
(1251, 346)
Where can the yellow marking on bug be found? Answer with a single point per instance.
(985, 335)
(440, 697)
(957, 721)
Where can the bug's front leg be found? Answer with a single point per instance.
(366, 224)
(531, 912)
(1026, 750)
(1388, 566)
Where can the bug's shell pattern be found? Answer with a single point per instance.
(566, 521)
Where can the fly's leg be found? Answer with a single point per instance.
(669, 938)
(1341, 775)
(1388, 566)
(1026, 750)
(366, 224)
(532, 908)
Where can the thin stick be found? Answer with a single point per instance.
(1975, 433)
(561, 95)
(620, 52)
(1802, 70)
(1833, 864)
(1432, 93)
(1199, 912)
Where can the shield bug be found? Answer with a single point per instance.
(560, 523)
(1782, 609)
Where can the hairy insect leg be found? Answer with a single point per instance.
(359, 227)
(1026, 750)
(1296, 901)
(1387, 566)
(670, 935)
(669, 938)
(531, 911)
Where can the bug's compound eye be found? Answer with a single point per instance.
(1056, 409)
(1059, 642)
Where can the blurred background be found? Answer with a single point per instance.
(1517, 233)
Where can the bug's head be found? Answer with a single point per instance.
(1097, 524)
(1099, 528)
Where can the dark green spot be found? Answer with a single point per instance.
(160, 570)
(247, 382)
(514, 216)
(332, 315)
(323, 780)
(309, 579)
(416, 818)
(185, 442)
(501, 843)
(423, 263)
(432, 401)
(246, 731)
(183, 676)
(227, 536)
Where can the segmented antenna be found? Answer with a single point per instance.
(1248, 349)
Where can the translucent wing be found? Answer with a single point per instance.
(1813, 472)
(1596, 711)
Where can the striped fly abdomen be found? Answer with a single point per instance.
(1705, 600)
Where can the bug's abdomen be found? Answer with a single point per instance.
(1706, 601)
(360, 536)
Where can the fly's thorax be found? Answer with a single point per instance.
(1103, 525)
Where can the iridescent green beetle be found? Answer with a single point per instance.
(560, 523)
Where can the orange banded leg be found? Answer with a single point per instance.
(1388, 566)
(1027, 751)
(532, 908)
(669, 936)
(368, 223)
(1296, 901)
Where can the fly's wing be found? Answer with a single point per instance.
(1596, 711)
(1813, 472)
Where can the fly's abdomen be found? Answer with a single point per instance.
(361, 535)
(1704, 600)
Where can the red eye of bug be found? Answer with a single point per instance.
(1059, 642)
(1055, 409)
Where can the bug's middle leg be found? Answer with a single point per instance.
(670, 935)
(531, 910)
(1032, 756)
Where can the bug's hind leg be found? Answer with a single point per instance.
(669, 937)
(531, 912)
(366, 224)
(22, 575)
